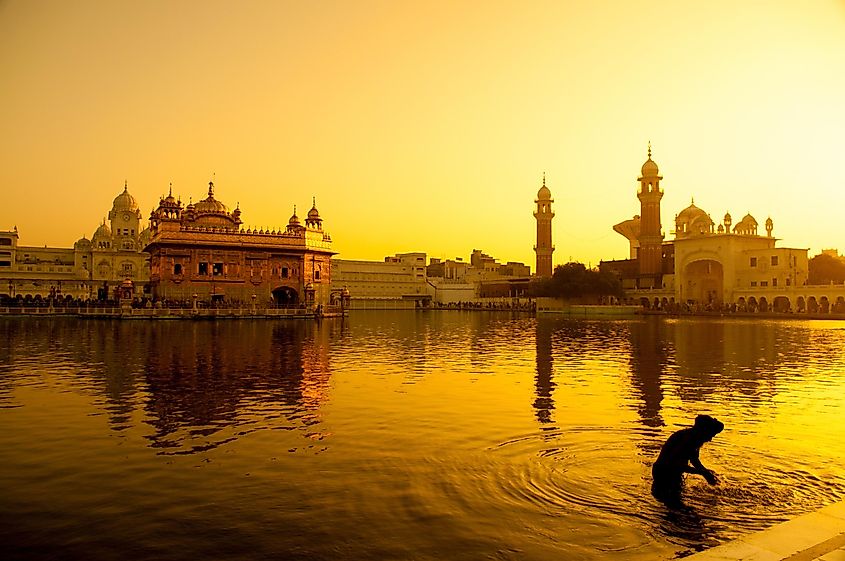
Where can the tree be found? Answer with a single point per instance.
(824, 269)
(574, 281)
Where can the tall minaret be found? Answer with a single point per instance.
(544, 215)
(650, 255)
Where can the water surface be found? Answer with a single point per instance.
(403, 435)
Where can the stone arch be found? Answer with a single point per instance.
(763, 304)
(824, 305)
(839, 305)
(644, 302)
(741, 304)
(801, 305)
(812, 305)
(656, 304)
(752, 304)
(704, 281)
(285, 296)
(782, 304)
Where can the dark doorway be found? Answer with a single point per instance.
(285, 296)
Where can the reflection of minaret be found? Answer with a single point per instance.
(543, 384)
(651, 237)
(544, 215)
(648, 359)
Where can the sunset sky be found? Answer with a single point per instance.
(426, 126)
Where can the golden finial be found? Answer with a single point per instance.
(649, 149)
(544, 179)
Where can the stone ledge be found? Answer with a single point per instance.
(818, 535)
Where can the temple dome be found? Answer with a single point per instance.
(544, 194)
(210, 204)
(102, 232)
(124, 201)
(691, 212)
(649, 168)
(294, 219)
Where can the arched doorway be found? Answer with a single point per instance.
(782, 304)
(802, 305)
(741, 305)
(285, 296)
(704, 282)
(752, 304)
(812, 305)
(763, 304)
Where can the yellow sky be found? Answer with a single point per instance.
(426, 126)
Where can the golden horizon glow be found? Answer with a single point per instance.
(425, 126)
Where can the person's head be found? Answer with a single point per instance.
(708, 426)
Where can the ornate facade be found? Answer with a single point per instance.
(200, 251)
(91, 269)
(706, 264)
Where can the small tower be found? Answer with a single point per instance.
(544, 215)
(314, 221)
(650, 256)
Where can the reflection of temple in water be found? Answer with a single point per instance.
(543, 384)
(648, 358)
(191, 379)
(220, 374)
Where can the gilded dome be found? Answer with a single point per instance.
(124, 201)
(313, 213)
(210, 204)
(294, 219)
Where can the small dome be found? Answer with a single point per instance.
(748, 219)
(82, 243)
(294, 219)
(691, 212)
(313, 213)
(103, 231)
(124, 201)
(649, 168)
(210, 204)
(544, 194)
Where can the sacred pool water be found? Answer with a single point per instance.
(407, 435)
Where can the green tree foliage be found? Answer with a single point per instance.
(575, 281)
(824, 268)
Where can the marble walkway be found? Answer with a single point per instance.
(815, 536)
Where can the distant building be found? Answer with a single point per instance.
(203, 250)
(90, 269)
(706, 264)
(543, 214)
(397, 282)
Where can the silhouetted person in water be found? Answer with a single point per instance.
(679, 455)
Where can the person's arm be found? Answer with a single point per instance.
(698, 468)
